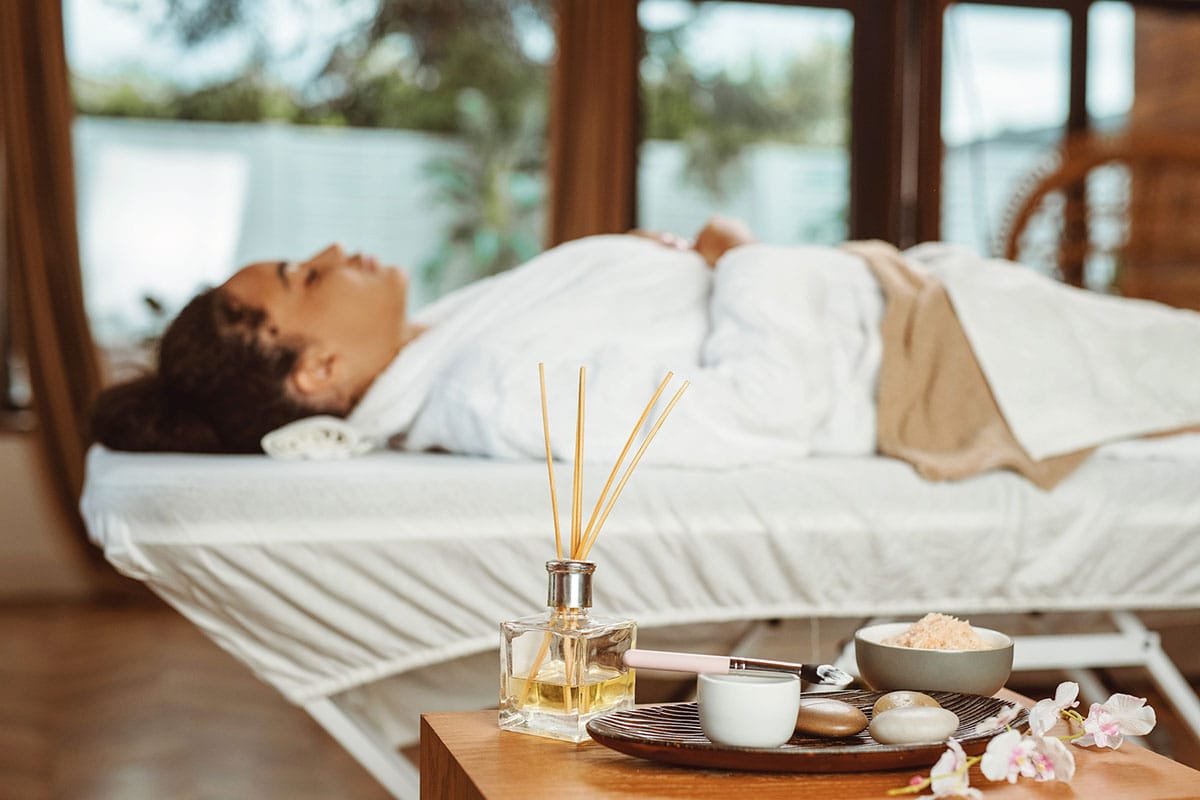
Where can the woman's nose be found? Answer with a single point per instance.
(333, 254)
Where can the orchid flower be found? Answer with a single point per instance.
(948, 778)
(1011, 755)
(1121, 715)
(1059, 758)
(1046, 713)
(1000, 720)
(1007, 757)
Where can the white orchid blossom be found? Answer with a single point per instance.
(949, 778)
(1002, 719)
(1007, 757)
(1060, 759)
(1011, 755)
(1045, 714)
(1121, 715)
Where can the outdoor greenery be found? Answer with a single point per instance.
(459, 67)
(719, 115)
(404, 68)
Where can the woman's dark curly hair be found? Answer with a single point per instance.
(219, 388)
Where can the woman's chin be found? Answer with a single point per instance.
(396, 275)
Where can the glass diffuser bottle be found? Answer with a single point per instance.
(564, 667)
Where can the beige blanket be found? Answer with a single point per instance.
(935, 409)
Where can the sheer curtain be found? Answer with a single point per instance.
(41, 250)
(593, 135)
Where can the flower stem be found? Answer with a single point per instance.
(924, 783)
(1071, 715)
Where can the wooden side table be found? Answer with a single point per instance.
(465, 755)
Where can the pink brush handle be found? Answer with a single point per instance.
(676, 662)
(695, 663)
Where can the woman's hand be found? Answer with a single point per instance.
(720, 235)
(663, 238)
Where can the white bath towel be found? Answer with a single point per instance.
(1071, 368)
(780, 346)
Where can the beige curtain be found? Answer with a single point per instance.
(594, 119)
(41, 252)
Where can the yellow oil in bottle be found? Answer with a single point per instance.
(599, 690)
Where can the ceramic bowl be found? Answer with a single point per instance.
(888, 667)
(748, 709)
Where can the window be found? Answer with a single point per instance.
(1005, 106)
(746, 110)
(1018, 78)
(1008, 102)
(1110, 73)
(210, 135)
(1110, 65)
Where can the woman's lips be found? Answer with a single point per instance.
(363, 263)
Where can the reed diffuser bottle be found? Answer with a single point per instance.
(564, 667)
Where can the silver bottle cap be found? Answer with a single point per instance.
(570, 584)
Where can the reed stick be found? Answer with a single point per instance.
(549, 460)
(535, 669)
(539, 659)
(587, 546)
(637, 426)
(577, 482)
(570, 679)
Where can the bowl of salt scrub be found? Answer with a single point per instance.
(935, 653)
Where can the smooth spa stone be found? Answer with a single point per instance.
(913, 725)
(824, 716)
(902, 699)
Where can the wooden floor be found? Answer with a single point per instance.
(130, 701)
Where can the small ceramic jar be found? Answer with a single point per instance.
(748, 709)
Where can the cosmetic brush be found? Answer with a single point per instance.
(697, 663)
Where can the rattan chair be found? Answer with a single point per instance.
(1119, 214)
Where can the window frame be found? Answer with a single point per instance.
(896, 146)
(875, 114)
(929, 108)
(5, 303)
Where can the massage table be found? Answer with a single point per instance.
(370, 590)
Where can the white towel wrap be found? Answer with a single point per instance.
(320, 438)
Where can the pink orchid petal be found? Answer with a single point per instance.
(1061, 759)
(945, 780)
(1131, 714)
(1043, 716)
(1066, 695)
(1000, 761)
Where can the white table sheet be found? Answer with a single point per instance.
(323, 576)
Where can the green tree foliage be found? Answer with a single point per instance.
(459, 67)
(403, 68)
(718, 116)
(496, 190)
(445, 66)
(248, 98)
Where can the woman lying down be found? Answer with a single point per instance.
(954, 363)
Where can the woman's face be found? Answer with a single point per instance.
(348, 310)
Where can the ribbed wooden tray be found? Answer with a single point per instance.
(671, 733)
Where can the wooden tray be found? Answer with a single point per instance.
(671, 733)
